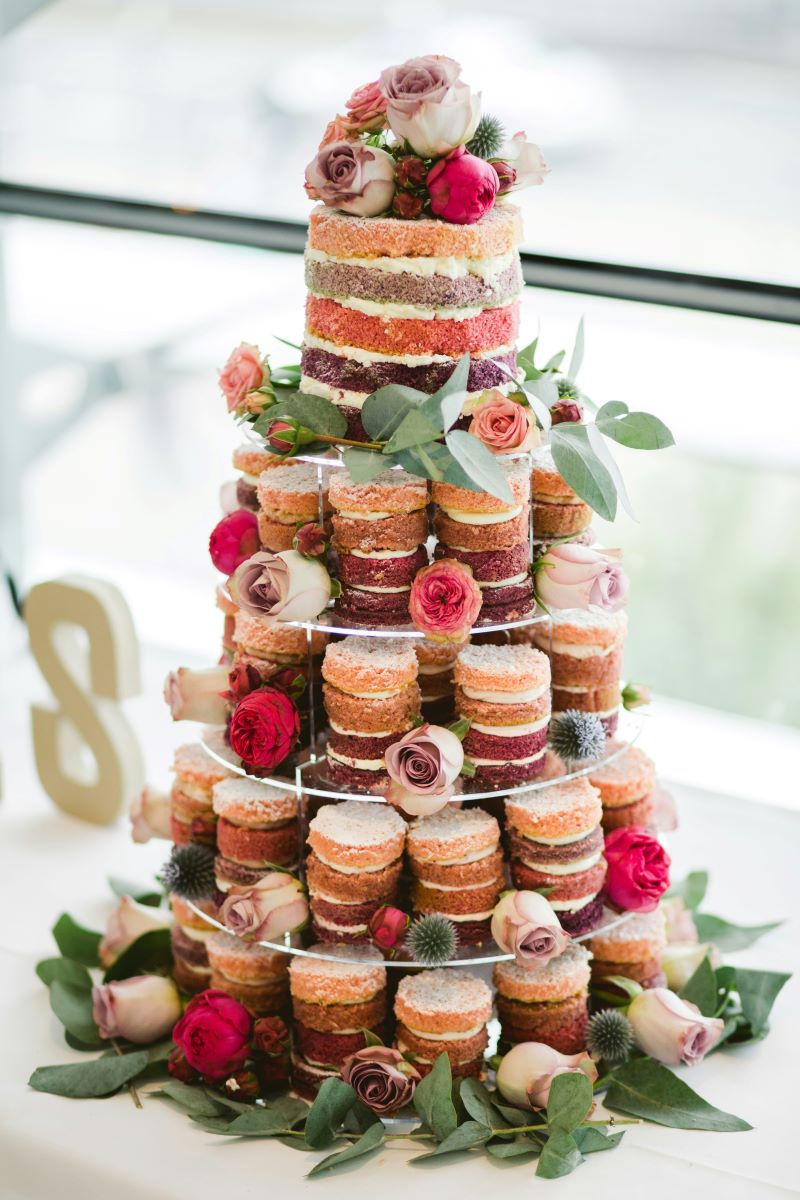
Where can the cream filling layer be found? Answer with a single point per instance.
(361, 764)
(339, 928)
(352, 870)
(573, 650)
(197, 935)
(394, 311)
(359, 355)
(363, 587)
(605, 713)
(350, 399)
(434, 668)
(248, 478)
(565, 840)
(482, 518)
(458, 887)
(193, 790)
(353, 515)
(547, 498)
(358, 732)
(383, 554)
(462, 859)
(572, 905)
(573, 868)
(451, 1035)
(498, 583)
(522, 697)
(512, 730)
(386, 695)
(503, 762)
(442, 264)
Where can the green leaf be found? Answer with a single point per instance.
(383, 411)
(604, 456)
(569, 1101)
(363, 465)
(517, 1149)
(369, 1141)
(333, 1100)
(142, 895)
(77, 942)
(415, 429)
(555, 362)
(638, 430)
(471, 1133)
(560, 1156)
(194, 1100)
(701, 989)
(480, 465)
(541, 394)
(433, 1099)
(313, 412)
(645, 1088)
(576, 359)
(72, 1004)
(580, 467)
(758, 991)
(150, 953)
(590, 1139)
(479, 1104)
(100, 1077)
(692, 889)
(728, 936)
(65, 969)
(629, 986)
(266, 1122)
(443, 408)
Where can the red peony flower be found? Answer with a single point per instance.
(234, 539)
(214, 1034)
(445, 601)
(265, 727)
(638, 869)
(462, 187)
(388, 926)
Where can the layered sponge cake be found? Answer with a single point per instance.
(443, 1011)
(256, 829)
(626, 785)
(254, 975)
(394, 301)
(192, 817)
(630, 947)
(545, 1002)
(290, 495)
(557, 511)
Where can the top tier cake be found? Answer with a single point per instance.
(394, 301)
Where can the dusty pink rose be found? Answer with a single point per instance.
(423, 767)
(352, 177)
(526, 1073)
(525, 925)
(525, 160)
(141, 1009)
(427, 105)
(233, 539)
(503, 425)
(149, 815)
(445, 601)
(275, 905)
(672, 1030)
(366, 109)
(244, 371)
(381, 1078)
(127, 922)
(197, 695)
(335, 131)
(462, 187)
(288, 586)
(572, 576)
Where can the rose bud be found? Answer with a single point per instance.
(423, 767)
(527, 1072)
(525, 925)
(566, 412)
(272, 907)
(242, 1085)
(680, 960)
(679, 923)
(381, 1078)
(233, 539)
(197, 695)
(141, 1009)
(149, 815)
(506, 175)
(270, 1036)
(283, 436)
(406, 205)
(264, 728)
(243, 373)
(285, 587)
(572, 576)
(388, 926)
(178, 1066)
(310, 540)
(638, 869)
(445, 601)
(462, 187)
(428, 106)
(127, 922)
(336, 130)
(503, 425)
(525, 159)
(672, 1030)
(635, 695)
(214, 1034)
(411, 172)
(243, 678)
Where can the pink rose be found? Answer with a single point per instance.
(233, 539)
(288, 586)
(366, 109)
(525, 925)
(149, 815)
(428, 107)
(462, 187)
(244, 372)
(525, 160)
(127, 922)
(388, 926)
(197, 695)
(503, 425)
(573, 576)
(526, 1073)
(335, 131)
(352, 177)
(672, 1030)
(214, 1033)
(381, 1078)
(445, 601)
(272, 907)
(141, 1009)
(424, 763)
(638, 869)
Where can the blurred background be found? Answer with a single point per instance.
(669, 222)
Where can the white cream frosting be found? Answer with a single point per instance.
(373, 695)
(358, 732)
(565, 840)
(363, 587)
(361, 764)
(496, 583)
(365, 357)
(454, 887)
(351, 870)
(509, 731)
(394, 311)
(346, 398)
(383, 554)
(574, 650)
(608, 712)
(503, 762)
(523, 697)
(447, 265)
(481, 518)
(454, 1035)
(572, 868)
(571, 905)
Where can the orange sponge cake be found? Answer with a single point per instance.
(443, 1011)
(457, 865)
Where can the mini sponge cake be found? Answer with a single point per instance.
(626, 785)
(288, 496)
(557, 511)
(353, 868)
(585, 651)
(334, 1002)
(545, 1002)
(443, 1011)
(256, 828)
(436, 660)
(250, 460)
(192, 818)
(630, 947)
(556, 842)
(189, 935)
(254, 975)
(457, 865)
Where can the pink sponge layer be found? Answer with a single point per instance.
(491, 329)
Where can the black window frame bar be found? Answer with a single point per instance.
(616, 281)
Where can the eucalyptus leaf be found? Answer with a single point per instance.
(576, 359)
(443, 408)
(142, 895)
(65, 969)
(433, 1099)
(150, 953)
(579, 466)
(701, 989)
(605, 456)
(99, 1077)
(629, 986)
(645, 1088)
(333, 1100)
(479, 464)
(72, 1004)
(637, 430)
(478, 1102)
(194, 1100)
(555, 362)
(415, 429)
(266, 1122)
(471, 1133)
(758, 991)
(369, 1141)
(363, 465)
(76, 942)
(521, 1147)
(312, 412)
(384, 410)
(560, 1156)
(590, 1139)
(691, 889)
(569, 1101)
(727, 936)
(75, 1043)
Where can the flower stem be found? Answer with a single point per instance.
(339, 441)
(131, 1086)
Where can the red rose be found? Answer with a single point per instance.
(265, 727)
(214, 1034)
(270, 1036)
(638, 869)
(462, 187)
(233, 540)
(566, 411)
(388, 926)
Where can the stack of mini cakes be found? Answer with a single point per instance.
(250, 460)
(585, 650)
(371, 698)
(545, 1002)
(353, 867)
(192, 818)
(505, 692)
(334, 1002)
(254, 975)
(269, 649)
(256, 829)
(556, 842)
(436, 661)
(457, 864)
(190, 934)
(443, 1011)
(289, 496)
(630, 945)
(491, 537)
(557, 512)
(380, 529)
(627, 787)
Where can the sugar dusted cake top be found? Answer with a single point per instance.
(358, 823)
(443, 991)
